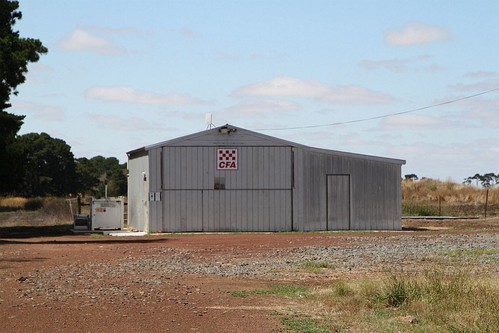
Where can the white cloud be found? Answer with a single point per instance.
(122, 124)
(131, 95)
(418, 65)
(433, 68)
(234, 57)
(393, 65)
(475, 87)
(457, 160)
(487, 118)
(269, 56)
(293, 87)
(259, 108)
(113, 31)
(40, 111)
(415, 33)
(482, 75)
(484, 112)
(188, 33)
(425, 57)
(82, 40)
(41, 68)
(228, 57)
(411, 121)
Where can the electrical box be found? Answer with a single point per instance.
(81, 222)
(107, 213)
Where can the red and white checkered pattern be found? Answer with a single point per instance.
(226, 158)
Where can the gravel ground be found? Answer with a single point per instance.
(143, 277)
(182, 283)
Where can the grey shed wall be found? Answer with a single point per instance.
(369, 195)
(278, 186)
(256, 197)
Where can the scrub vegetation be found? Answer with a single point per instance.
(34, 212)
(429, 197)
(430, 301)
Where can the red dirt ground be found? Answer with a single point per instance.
(193, 303)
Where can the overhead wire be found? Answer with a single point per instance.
(381, 116)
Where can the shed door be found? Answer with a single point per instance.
(338, 202)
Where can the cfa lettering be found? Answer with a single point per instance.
(227, 165)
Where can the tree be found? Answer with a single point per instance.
(411, 177)
(487, 180)
(11, 166)
(49, 166)
(95, 173)
(118, 182)
(87, 175)
(15, 52)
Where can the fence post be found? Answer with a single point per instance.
(439, 205)
(78, 200)
(486, 202)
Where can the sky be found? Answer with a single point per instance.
(120, 75)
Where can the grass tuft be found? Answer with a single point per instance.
(291, 291)
(439, 300)
(303, 324)
(315, 267)
(342, 289)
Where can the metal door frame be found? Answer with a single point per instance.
(349, 199)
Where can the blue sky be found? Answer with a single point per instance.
(123, 74)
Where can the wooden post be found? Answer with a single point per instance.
(439, 205)
(78, 200)
(486, 202)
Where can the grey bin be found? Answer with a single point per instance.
(81, 222)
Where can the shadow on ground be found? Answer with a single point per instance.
(39, 231)
(30, 235)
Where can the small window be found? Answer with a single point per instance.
(219, 183)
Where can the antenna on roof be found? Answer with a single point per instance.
(208, 119)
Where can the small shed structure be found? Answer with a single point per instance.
(232, 179)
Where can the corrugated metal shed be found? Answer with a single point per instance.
(232, 179)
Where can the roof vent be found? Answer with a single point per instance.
(226, 129)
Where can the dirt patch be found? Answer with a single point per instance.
(57, 282)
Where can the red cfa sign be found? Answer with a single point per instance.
(227, 158)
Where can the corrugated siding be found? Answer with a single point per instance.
(182, 211)
(137, 193)
(255, 210)
(195, 168)
(230, 210)
(375, 191)
(155, 185)
(238, 138)
(257, 196)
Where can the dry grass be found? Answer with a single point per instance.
(12, 203)
(434, 197)
(433, 301)
(49, 211)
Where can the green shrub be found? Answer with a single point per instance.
(417, 210)
(398, 291)
(304, 324)
(341, 289)
(33, 204)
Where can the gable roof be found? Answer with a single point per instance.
(233, 135)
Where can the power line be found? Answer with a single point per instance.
(382, 116)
